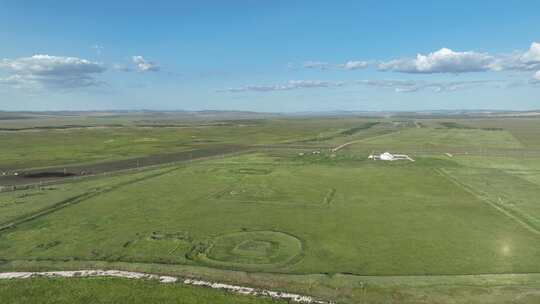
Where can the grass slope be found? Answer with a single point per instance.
(114, 291)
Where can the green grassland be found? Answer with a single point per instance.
(378, 290)
(50, 146)
(22, 204)
(524, 129)
(114, 291)
(461, 228)
(294, 218)
(422, 139)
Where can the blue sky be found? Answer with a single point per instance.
(278, 56)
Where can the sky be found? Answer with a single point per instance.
(269, 56)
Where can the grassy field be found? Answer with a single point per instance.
(432, 139)
(295, 216)
(101, 290)
(377, 290)
(73, 145)
(321, 217)
(22, 204)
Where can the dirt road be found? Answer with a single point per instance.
(35, 176)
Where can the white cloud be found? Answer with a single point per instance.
(533, 54)
(51, 65)
(16, 81)
(442, 61)
(537, 76)
(349, 65)
(461, 85)
(446, 60)
(295, 84)
(520, 61)
(399, 86)
(45, 71)
(407, 86)
(145, 66)
(316, 65)
(121, 68)
(354, 65)
(290, 85)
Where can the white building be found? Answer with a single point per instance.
(390, 157)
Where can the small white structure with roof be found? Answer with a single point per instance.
(390, 157)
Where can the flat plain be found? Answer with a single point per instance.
(288, 211)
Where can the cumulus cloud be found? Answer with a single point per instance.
(144, 65)
(290, 85)
(448, 61)
(407, 86)
(51, 65)
(520, 61)
(533, 54)
(442, 61)
(536, 76)
(141, 65)
(45, 71)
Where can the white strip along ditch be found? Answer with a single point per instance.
(163, 279)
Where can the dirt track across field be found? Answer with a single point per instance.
(35, 176)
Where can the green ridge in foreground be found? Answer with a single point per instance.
(114, 290)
